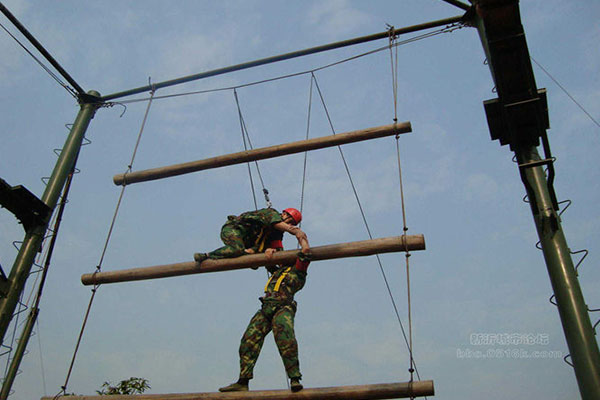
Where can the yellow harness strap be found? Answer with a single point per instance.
(260, 241)
(278, 283)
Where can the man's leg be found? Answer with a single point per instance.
(252, 343)
(233, 238)
(283, 330)
(250, 347)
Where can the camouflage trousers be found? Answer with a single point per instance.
(279, 318)
(232, 236)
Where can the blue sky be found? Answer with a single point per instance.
(480, 274)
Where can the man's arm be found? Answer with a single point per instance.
(294, 230)
(302, 261)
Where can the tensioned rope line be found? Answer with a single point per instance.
(394, 65)
(365, 222)
(448, 29)
(39, 337)
(99, 266)
(68, 88)
(566, 92)
(394, 71)
(246, 136)
(241, 118)
(312, 77)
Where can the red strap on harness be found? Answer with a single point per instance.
(276, 244)
(302, 265)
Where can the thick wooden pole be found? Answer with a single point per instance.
(359, 392)
(262, 153)
(341, 250)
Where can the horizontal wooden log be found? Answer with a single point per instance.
(261, 154)
(358, 392)
(341, 250)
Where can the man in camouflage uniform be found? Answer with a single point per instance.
(259, 231)
(277, 314)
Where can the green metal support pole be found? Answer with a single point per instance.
(569, 298)
(520, 120)
(34, 237)
(19, 352)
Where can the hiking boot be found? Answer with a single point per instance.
(199, 257)
(234, 387)
(295, 385)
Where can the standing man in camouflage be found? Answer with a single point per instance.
(259, 231)
(277, 314)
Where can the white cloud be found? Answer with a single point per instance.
(336, 18)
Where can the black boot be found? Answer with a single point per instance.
(295, 385)
(199, 257)
(240, 386)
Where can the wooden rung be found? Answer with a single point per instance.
(362, 392)
(262, 153)
(341, 250)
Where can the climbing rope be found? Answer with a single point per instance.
(248, 143)
(104, 249)
(404, 334)
(394, 65)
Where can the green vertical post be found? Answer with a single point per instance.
(519, 119)
(572, 309)
(18, 356)
(34, 237)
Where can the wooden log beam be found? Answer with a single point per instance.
(262, 153)
(358, 392)
(341, 250)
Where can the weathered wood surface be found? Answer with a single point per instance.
(358, 392)
(262, 153)
(341, 250)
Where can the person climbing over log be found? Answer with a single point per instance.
(259, 231)
(277, 314)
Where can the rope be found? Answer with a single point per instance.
(366, 224)
(312, 79)
(412, 367)
(69, 89)
(566, 92)
(246, 136)
(99, 266)
(39, 336)
(394, 70)
(245, 147)
(447, 29)
(394, 65)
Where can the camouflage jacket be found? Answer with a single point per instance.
(258, 226)
(286, 281)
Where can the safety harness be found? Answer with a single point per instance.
(279, 280)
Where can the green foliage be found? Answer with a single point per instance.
(129, 386)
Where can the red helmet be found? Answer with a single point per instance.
(295, 214)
